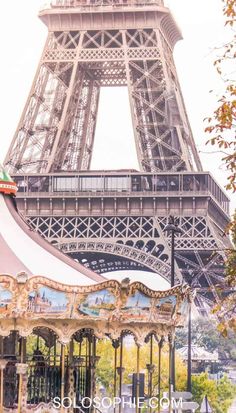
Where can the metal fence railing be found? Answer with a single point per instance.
(101, 3)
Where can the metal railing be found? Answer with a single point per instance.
(44, 378)
(99, 3)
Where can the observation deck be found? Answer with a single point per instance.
(194, 191)
(108, 14)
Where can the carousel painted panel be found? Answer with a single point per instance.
(98, 304)
(165, 308)
(6, 298)
(137, 308)
(47, 301)
(143, 308)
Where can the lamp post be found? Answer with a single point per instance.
(189, 369)
(193, 283)
(172, 229)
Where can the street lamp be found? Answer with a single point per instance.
(193, 283)
(189, 369)
(172, 229)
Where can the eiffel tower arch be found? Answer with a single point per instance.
(115, 220)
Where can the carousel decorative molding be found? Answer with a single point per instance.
(108, 307)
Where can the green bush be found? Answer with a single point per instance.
(220, 394)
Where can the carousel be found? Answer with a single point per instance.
(63, 345)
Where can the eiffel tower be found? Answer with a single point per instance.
(115, 220)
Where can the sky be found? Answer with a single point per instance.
(22, 37)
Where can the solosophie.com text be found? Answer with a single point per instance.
(107, 402)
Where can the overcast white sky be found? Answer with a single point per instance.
(22, 36)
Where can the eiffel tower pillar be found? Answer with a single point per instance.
(111, 221)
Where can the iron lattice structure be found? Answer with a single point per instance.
(116, 45)
(94, 44)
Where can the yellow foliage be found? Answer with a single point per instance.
(224, 117)
(105, 367)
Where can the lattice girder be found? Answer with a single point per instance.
(57, 128)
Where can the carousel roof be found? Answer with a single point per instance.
(22, 249)
(4, 175)
(7, 186)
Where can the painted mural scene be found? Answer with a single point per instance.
(5, 299)
(98, 304)
(45, 300)
(117, 286)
